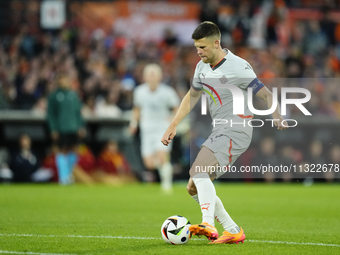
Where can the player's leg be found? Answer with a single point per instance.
(62, 160)
(165, 169)
(221, 215)
(147, 153)
(206, 193)
(156, 156)
(234, 146)
(150, 167)
(72, 154)
(149, 162)
(163, 162)
(225, 152)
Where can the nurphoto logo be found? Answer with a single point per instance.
(238, 103)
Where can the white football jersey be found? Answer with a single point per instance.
(232, 71)
(155, 106)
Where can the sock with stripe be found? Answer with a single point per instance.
(222, 216)
(206, 196)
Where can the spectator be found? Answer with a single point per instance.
(6, 174)
(85, 167)
(328, 26)
(112, 166)
(316, 153)
(27, 99)
(267, 156)
(49, 162)
(107, 107)
(316, 41)
(286, 159)
(88, 109)
(25, 161)
(4, 102)
(66, 126)
(39, 109)
(294, 63)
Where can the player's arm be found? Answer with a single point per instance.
(173, 112)
(188, 102)
(267, 96)
(134, 120)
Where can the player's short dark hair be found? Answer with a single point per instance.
(206, 29)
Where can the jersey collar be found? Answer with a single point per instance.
(221, 62)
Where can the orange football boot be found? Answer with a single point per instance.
(204, 229)
(230, 238)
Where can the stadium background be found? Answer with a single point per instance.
(106, 44)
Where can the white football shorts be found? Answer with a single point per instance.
(227, 146)
(151, 143)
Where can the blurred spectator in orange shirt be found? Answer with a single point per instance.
(112, 166)
(85, 167)
(82, 171)
(49, 162)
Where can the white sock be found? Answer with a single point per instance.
(222, 216)
(206, 195)
(165, 174)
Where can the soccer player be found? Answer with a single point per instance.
(154, 103)
(226, 143)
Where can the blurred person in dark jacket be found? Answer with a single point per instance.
(66, 125)
(25, 162)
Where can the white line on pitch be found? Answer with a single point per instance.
(155, 238)
(33, 253)
(297, 243)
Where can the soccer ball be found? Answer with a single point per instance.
(175, 230)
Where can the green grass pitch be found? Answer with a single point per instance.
(277, 219)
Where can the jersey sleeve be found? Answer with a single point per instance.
(247, 78)
(196, 85)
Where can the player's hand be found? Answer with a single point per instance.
(280, 123)
(168, 135)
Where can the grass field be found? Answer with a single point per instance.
(277, 219)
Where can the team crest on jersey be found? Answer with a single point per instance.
(223, 79)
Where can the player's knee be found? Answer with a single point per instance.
(163, 157)
(149, 165)
(195, 170)
(191, 189)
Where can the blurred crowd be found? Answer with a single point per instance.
(317, 162)
(25, 165)
(105, 68)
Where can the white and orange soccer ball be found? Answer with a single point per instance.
(175, 230)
